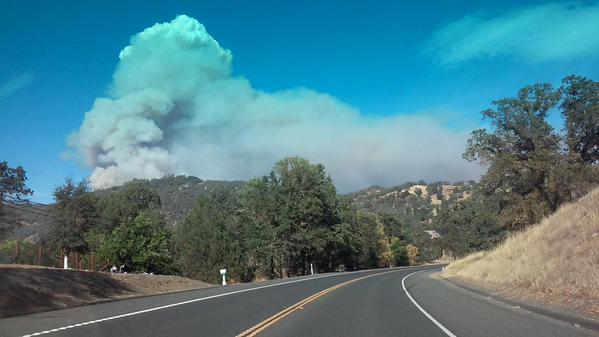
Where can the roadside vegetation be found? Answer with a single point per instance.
(557, 258)
(534, 191)
(292, 220)
(532, 168)
(287, 223)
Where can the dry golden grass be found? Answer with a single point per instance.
(559, 256)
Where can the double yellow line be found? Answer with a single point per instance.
(256, 329)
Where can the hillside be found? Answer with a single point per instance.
(554, 262)
(414, 202)
(33, 219)
(178, 195)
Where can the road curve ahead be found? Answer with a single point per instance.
(386, 302)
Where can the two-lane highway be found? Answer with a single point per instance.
(408, 303)
(386, 302)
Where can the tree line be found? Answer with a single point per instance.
(282, 224)
(532, 168)
(286, 223)
(292, 219)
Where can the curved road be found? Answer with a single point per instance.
(387, 302)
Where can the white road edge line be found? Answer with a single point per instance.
(403, 285)
(190, 301)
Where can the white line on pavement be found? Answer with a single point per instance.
(187, 302)
(403, 285)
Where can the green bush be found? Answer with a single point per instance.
(400, 253)
(141, 245)
(27, 252)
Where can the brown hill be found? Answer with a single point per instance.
(555, 261)
(415, 203)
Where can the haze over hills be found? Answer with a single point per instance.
(414, 202)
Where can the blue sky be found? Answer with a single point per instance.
(445, 61)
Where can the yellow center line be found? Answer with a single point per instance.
(256, 329)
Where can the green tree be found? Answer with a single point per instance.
(211, 238)
(376, 250)
(400, 252)
(141, 245)
(127, 203)
(261, 217)
(13, 190)
(525, 165)
(297, 214)
(347, 243)
(580, 109)
(74, 213)
(469, 225)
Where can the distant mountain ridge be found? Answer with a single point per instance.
(179, 194)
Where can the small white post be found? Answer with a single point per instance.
(311, 269)
(223, 272)
(65, 262)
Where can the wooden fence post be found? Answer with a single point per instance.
(16, 254)
(39, 255)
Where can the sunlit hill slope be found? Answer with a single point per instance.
(556, 261)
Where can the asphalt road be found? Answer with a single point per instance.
(375, 304)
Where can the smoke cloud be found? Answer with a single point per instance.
(175, 107)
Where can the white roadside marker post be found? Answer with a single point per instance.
(223, 272)
(65, 262)
(311, 269)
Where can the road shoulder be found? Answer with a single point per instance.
(537, 308)
(468, 313)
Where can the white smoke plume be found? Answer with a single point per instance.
(175, 107)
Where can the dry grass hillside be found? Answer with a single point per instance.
(414, 203)
(555, 262)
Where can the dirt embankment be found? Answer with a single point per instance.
(29, 289)
(555, 262)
